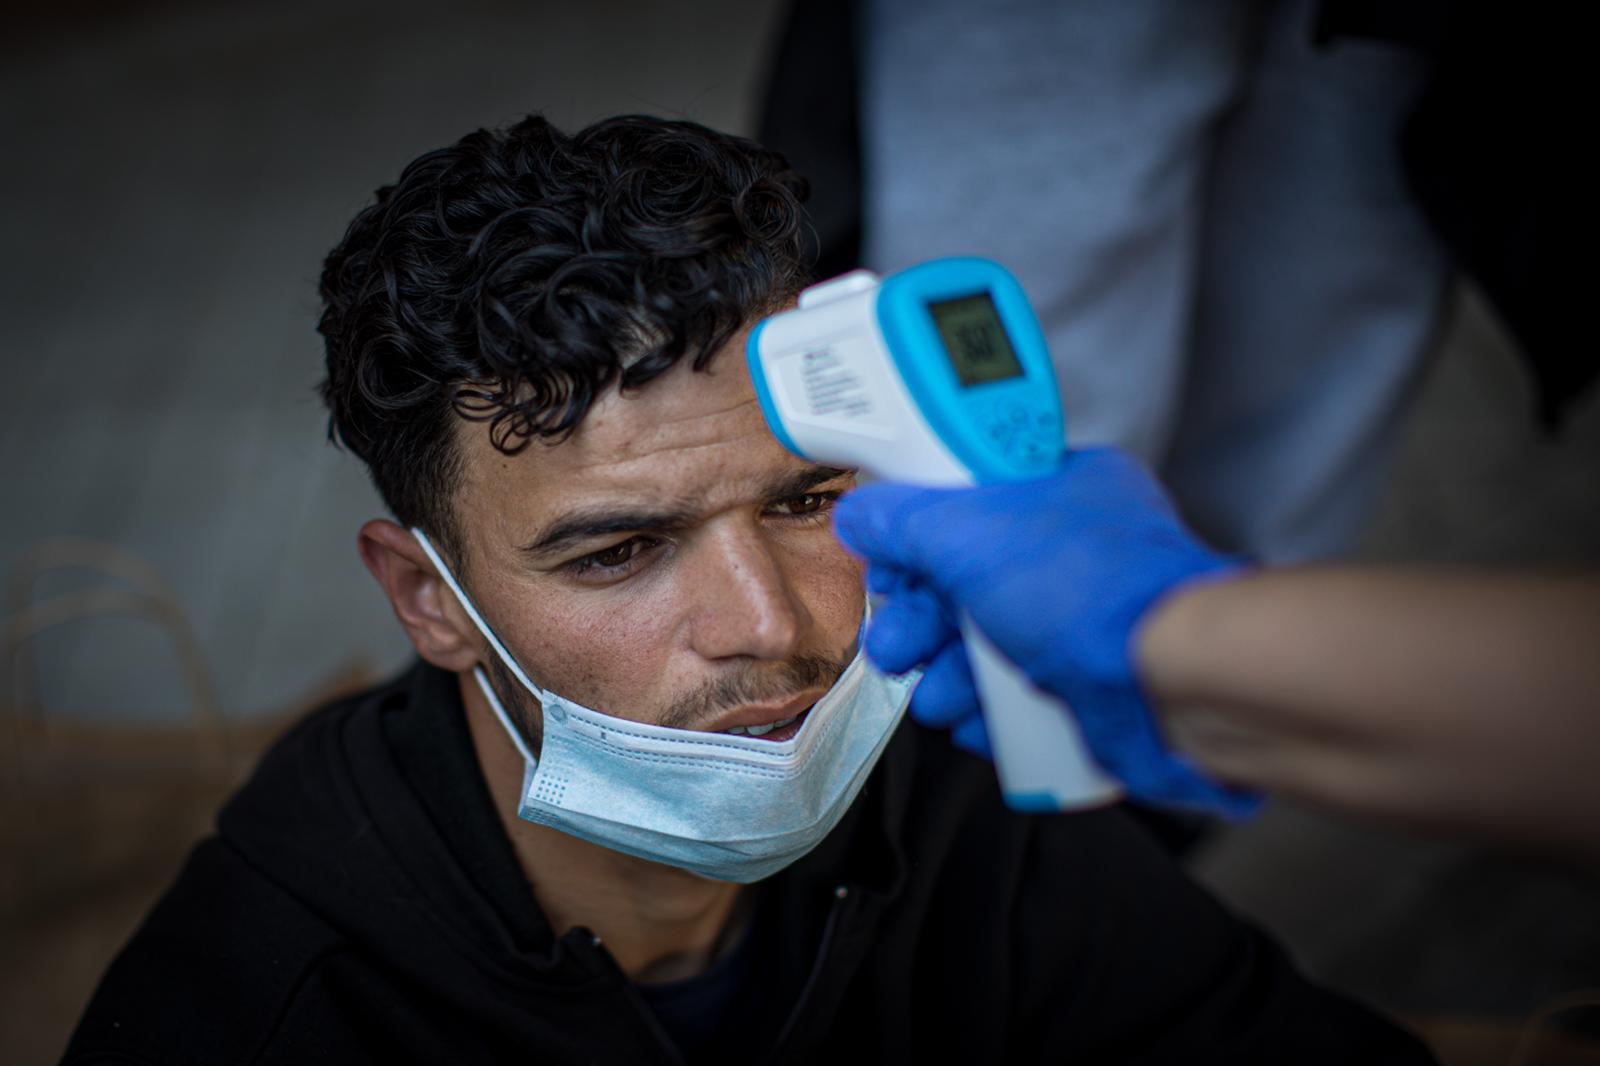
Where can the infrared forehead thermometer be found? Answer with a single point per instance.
(939, 376)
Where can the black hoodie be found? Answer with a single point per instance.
(361, 903)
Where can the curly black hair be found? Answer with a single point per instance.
(514, 276)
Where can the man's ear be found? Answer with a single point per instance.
(424, 604)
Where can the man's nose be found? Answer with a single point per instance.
(746, 604)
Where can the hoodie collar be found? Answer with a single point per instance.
(434, 753)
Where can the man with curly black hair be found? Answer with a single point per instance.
(641, 800)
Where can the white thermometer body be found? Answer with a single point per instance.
(939, 376)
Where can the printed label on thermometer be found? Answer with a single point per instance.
(831, 385)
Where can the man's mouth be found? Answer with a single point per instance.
(773, 722)
(782, 729)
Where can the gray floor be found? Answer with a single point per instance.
(172, 183)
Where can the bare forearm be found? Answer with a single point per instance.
(1452, 699)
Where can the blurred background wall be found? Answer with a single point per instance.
(178, 171)
(175, 172)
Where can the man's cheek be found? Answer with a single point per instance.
(832, 586)
(835, 561)
(617, 658)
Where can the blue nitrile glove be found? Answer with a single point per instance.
(1059, 573)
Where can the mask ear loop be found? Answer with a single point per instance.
(494, 642)
(505, 719)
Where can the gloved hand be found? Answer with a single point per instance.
(1059, 573)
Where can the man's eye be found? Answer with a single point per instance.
(617, 554)
(810, 503)
(615, 557)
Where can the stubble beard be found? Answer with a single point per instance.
(693, 711)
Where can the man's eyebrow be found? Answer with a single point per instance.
(799, 482)
(586, 523)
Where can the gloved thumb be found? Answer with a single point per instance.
(870, 522)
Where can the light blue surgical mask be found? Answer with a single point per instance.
(731, 808)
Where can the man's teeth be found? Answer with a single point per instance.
(760, 730)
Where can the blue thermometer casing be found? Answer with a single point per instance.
(937, 375)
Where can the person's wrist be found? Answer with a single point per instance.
(1172, 642)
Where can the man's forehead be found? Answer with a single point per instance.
(624, 427)
(689, 437)
(684, 418)
(712, 455)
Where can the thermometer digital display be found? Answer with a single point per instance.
(975, 340)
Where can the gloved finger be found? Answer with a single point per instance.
(908, 630)
(886, 580)
(1105, 472)
(970, 734)
(869, 520)
(946, 694)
